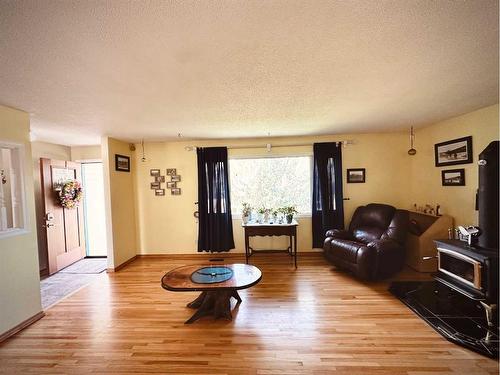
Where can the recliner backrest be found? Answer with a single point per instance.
(399, 227)
(372, 222)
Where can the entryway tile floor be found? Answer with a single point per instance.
(70, 279)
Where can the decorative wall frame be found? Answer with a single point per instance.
(171, 171)
(456, 151)
(356, 175)
(160, 178)
(176, 178)
(154, 172)
(171, 185)
(160, 192)
(155, 185)
(453, 177)
(122, 163)
(175, 191)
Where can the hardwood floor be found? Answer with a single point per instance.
(313, 320)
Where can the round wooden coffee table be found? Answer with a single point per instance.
(217, 284)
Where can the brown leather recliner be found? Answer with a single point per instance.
(374, 245)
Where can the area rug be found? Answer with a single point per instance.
(54, 288)
(87, 265)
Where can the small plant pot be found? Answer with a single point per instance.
(289, 219)
(245, 219)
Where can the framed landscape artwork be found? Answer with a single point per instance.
(122, 163)
(356, 175)
(456, 151)
(453, 177)
(160, 192)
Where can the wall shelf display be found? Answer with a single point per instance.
(425, 228)
(456, 151)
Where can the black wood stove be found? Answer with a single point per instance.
(472, 271)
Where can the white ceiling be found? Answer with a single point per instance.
(220, 69)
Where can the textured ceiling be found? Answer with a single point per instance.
(218, 69)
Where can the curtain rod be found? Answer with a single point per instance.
(269, 146)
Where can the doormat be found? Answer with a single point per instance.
(456, 317)
(88, 265)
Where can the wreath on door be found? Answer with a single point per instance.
(70, 194)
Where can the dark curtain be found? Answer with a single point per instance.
(327, 203)
(215, 232)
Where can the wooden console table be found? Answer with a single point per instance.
(266, 229)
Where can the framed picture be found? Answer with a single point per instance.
(175, 178)
(122, 163)
(456, 151)
(155, 185)
(171, 171)
(176, 191)
(356, 175)
(160, 178)
(453, 177)
(171, 185)
(154, 172)
(160, 192)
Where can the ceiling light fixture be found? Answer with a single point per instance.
(412, 151)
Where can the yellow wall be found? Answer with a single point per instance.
(50, 151)
(426, 187)
(19, 280)
(82, 153)
(120, 197)
(166, 224)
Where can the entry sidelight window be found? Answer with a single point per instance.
(12, 205)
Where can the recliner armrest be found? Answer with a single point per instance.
(339, 233)
(385, 245)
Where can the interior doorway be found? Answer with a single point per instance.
(93, 209)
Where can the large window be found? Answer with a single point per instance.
(271, 182)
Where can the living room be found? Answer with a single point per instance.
(150, 92)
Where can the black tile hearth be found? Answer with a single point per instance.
(456, 317)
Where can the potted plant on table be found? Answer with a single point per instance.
(289, 211)
(246, 211)
(263, 215)
(275, 213)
